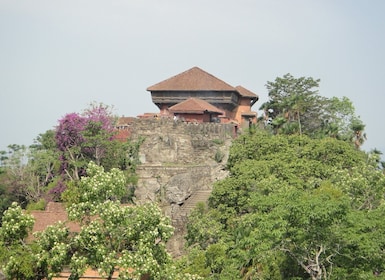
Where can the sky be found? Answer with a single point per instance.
(56, 57)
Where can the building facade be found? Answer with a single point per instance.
(233, 103)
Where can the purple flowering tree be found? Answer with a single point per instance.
(84, 137)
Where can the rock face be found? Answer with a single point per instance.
(179, 164)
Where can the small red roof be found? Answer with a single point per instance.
(54, 213)
(193, 79)
(194, 106)
(124, 121)
(249, 114)
(245, 92)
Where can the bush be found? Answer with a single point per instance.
(39, 205)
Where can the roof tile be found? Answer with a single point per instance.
(192, 79)
(195, 106)
(245, 92)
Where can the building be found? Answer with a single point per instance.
(195, 110)
(234, 103)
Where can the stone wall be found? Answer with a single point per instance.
(179, 161)
(184, 142)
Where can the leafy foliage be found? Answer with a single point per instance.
(293, 208)
(112, 236)
(295, 106)
(17, 258)
(57, 160)
(82, 138)
(299, 203)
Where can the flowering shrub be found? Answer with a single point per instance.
(84, 137)
(112, 236)
(68, 132)
(17, 259)
(15, 225)
(97, 187)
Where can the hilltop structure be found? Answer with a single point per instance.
(199, 96)
(180, 160)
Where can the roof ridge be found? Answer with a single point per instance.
(192, 79)
(245, 92)
(195, 104)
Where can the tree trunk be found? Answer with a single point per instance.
(299, 124)
(111, 274)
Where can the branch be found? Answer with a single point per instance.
(66, 171)
(306, 268)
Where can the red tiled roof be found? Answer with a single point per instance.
(148, 115)
(193, 79)
(124, 121)
(245, 92)
(249, 113)
(89, 274)
(54, 213)
(122, 135)
(194, 106)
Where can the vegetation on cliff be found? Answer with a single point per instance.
(292, 208)
(34, 175)
(113, 238)
(302, 200)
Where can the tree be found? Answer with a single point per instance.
(84, 137)
(340, 113)
(203, 227)
(88, 137)
(293, 207)
(29, 172)
(113, 236)
(359, 136)
(295, 106)
(18, 259)
(58, 158)
(45, 141)
(292, 99)
(14, 176)
(130, 238)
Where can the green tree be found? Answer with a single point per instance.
(29, 172)
(293, 207)
(14, 175)
(203, 227)
(129, 237)
(18, 259)
(113, 236)
(89, 136)
(295, 106)
(340, 113)
(290, 99)
(359, 136)
(55, 248)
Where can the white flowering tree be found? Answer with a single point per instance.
(129, 239)
(17, 258)
(55, 246)
(126, 239)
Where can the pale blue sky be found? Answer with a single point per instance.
(58, 56)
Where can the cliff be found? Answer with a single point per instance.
(179, 164)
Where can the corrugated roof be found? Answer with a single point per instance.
(195, 106)
(193, 79)
(245, 92)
